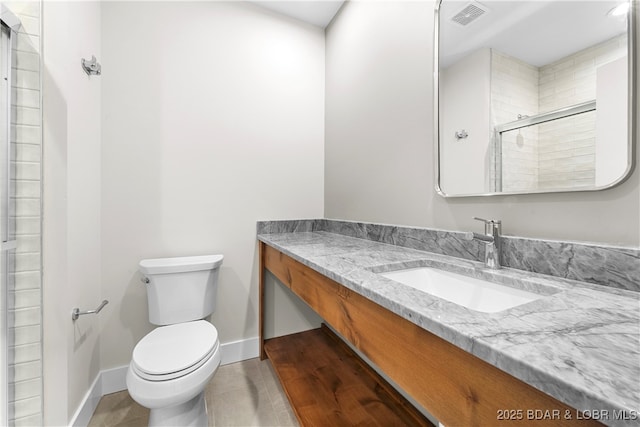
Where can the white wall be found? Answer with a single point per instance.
(379, 141)
(185, 141)
(72, 211)
(465, 86)
(212, 118)
(378, 155)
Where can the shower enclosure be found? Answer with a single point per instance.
(5, 62)
(20, 216)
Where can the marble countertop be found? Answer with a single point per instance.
(580, 343)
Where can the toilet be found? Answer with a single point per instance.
(171, 366)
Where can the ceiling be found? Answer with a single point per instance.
(537, 32)
(315, 12)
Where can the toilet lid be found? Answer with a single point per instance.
(174, 350)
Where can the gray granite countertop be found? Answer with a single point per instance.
(580, 343)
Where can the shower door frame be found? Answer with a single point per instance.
(8, 24)
(5, 51)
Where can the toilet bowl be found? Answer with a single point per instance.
(170, 369)
(171, 366)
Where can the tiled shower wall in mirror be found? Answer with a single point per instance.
(25, 284)
(547, 156)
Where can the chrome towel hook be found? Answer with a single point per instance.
(91, 66)
(77, 313)
(461, 134)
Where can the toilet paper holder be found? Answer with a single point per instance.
(77, 313)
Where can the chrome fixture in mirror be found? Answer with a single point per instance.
(91, 66)
(543, 92)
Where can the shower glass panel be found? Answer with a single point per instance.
(20, 215)
(553, 155)
(5, 188)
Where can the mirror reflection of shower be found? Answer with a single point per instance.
(561, 125)
(546, 110)
(520, 137)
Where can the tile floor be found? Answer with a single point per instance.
(244, 394)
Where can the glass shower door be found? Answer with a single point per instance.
(7, 211)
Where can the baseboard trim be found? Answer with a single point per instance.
(89, 404)
(237, 351)
(114, 380)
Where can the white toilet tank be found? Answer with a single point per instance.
(181, 289)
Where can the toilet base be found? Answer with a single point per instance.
(192, 413)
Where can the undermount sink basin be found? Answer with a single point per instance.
(475, 294)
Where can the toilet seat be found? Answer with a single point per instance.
(170, 352)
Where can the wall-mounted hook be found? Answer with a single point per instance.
(461, 134)
(92, 66)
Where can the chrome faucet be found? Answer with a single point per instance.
(493, 242)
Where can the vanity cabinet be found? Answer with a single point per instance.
(458, 388)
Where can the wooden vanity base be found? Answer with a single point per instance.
(456, 387)
(329, 385)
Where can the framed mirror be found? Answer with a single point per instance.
(533, 96)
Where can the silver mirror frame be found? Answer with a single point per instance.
(631, 111)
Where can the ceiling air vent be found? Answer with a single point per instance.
(470, 13)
